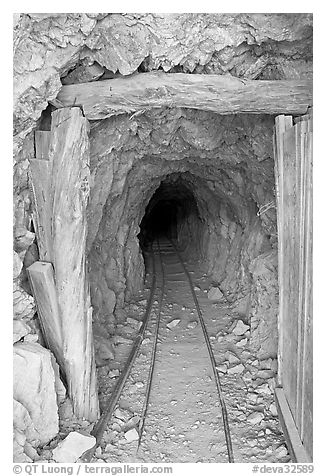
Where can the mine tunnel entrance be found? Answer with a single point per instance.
(172, 207)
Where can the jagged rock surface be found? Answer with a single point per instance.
(264, 332)
(222, 166)
(34, 388)
(48, 46)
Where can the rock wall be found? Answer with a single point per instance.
(226, 163)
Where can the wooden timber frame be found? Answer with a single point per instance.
(59, 176)
(59, 179)
(293, 174)
(209, 92)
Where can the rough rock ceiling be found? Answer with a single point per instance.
(48, 47)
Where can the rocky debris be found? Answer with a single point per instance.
(23, 239)
(24, 433)
(268, 364)
(122, 414)
(240, 328)
(118, 339)
(255, 418)
(237, 369)
(114, 373)
(17, 265)
(215, 294)
(104, 349)
(173, 323)
(134, 323)
(242, 342)
(263, 389)
(20, 330)
(34, 388)
(273, 409)
(264, 374)
(24, 305)
(222, 368)
(66, 410)
(132, 435)
(264, 297)
(281, 451)
(192, 324)
(131, 423)
(232, 358)
(84, 74)
(72, 447)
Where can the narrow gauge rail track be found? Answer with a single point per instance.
(106, 416)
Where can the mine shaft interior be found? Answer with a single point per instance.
(168, 210)
(162, 238)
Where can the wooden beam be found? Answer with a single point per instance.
(209, 92)
(69, 153)
(291, 434)
(41, 277)
(42, 144)
(282, 123)
(40, 178)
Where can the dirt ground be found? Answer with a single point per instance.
(184, 420)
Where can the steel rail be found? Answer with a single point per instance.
(153, 354)
(104, 419)
(212, 359)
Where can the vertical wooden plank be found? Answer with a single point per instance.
(42, 144)
(70, 154)
(40, 178)
(41, 277)
(290, 271)
(293, 172)
(300, 131)
(282, 123)
(307, 360)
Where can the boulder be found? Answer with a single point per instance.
(103, 350)
(17, 265)
(214, 294)
(23, 303)
(173, 323)
(264, 310)
(255, 418)
(132, 435)
(240, 328)
(72, 447)
(24, 433)
(20, 330)
(34, 388)
(110, 300)
(237, 369)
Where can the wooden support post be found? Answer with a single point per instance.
(282, 123)
(69, 153)
(292, 438)
(59, 178)
(41, 277)
(293, 173)
(40, 179)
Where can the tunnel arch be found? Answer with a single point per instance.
(229, 173)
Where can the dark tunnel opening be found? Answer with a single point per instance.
(171, 206)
